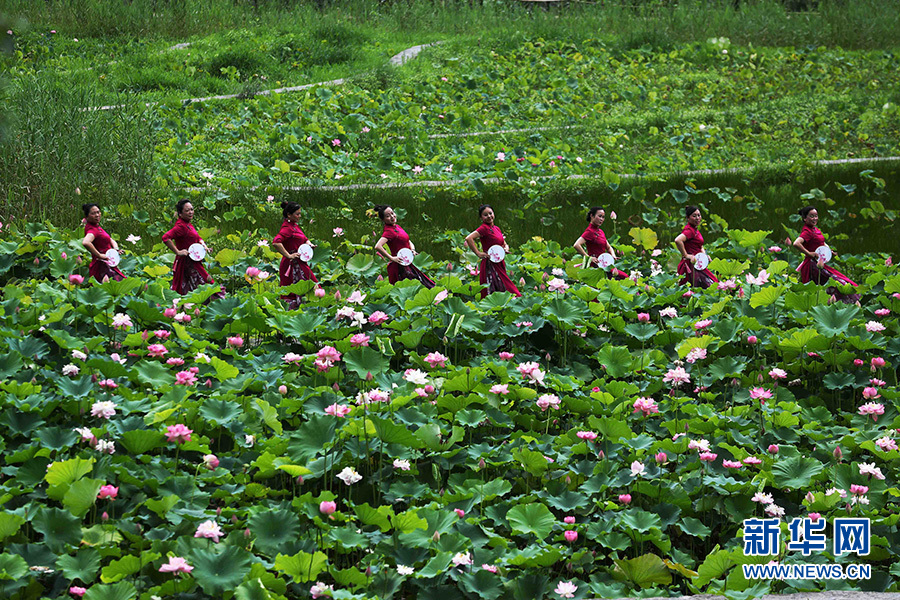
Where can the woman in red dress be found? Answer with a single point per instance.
(690, 243)
(811, 269)
(592, 242)
(491, 273)
(97, 242)
(288, 240)
(187, 274)
(396, 240)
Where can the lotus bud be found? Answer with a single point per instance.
(379, 278)
(104, 517)
(568, 479)
(625, 498)
(571, 535)
(37, 261)
(837, 453)
(436, 537)
(429, 389)
(139, 529)
(368, 571)
(196, 312)
(661, 458)
(336, 387)
(773, 449)
(543, 287)
(643, 318)
(459, 512)
(320, 293)
(234, 520)
(369, 376)
(282, 389)
(208, 382)
(810, 497)
(300, 480)
(481, 463)
(752, 339)
(601, 455)
(64, 256)
(78, 259)
(218, 511)
(522, 281)
(247, 533)
(760, 378)
(337, 295)
(449, 266)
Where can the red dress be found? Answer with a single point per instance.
(397, 240)
(187, 274)
(98, 268)
(491, 273)
(596, 244)
(694, 245)
(810, 271)
(292, 270)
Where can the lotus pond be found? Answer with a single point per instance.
(400, 442)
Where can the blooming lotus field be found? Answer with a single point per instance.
(591, 438)
(545, 108)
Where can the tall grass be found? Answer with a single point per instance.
(856, 24)
(59, 155)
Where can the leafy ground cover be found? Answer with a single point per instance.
(396, 441)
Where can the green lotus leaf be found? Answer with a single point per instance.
(59, 527)
(532, 518)
(221, 568)
(83, 565)
(303, 566)
(365, 360)
(274, 530)
(644, 571)
(796, 472)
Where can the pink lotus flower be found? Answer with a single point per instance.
(210, 461)
(661, 458)
(669, 312)
(104, 409)
(156, 350)
(377, 318)
(696, 354)
(459, 512)
(251, 273)
(356, 297)
(108, 384)
(752, 460)
(185, 378)
(647, 406)
(176, 564)
(183, 317)
(859, 490)
(548, 401)
(489, 568)
(751, 339)
(178, 433)
(532, 371)
(282, 389)
(441, 296)
(774, 248)
(108, 491)
(327, 507)
(571, 535)
(76, 279)
(871, 470)
(566, 589)
(336, 142)
(761, 394)
(637, 468)
(761, 279)
(870, 393)
(360, 339)
(401, 464)
(337, 232)
(506, 355)
(882, 312)
(569, 520)
(877, 382)
(877, 363)
(731, 464)
(122, 321)
(557, 285)
(77, 591)
(872, 408)
(814, 516)
(701, 325)
(210, 530)
(338, 410)
(708, 456)
(587, 435)
(772, 449)
(169, 312)
(500, 388)
(643, 318)
(858, 362)
(777, 373)
(874, 327)
(329, 353)
(436, 359)
(676, 376)
(235, 341)
(886, 444)
(625, 498)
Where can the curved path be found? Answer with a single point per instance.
(396, 60)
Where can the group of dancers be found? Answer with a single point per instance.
(397, 249)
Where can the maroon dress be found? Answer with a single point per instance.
(292, 270)
(491, 273)
(187, 274)
(596, 244)
(810, 271)
(397, 240)
(98, 268)
(694, 245)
